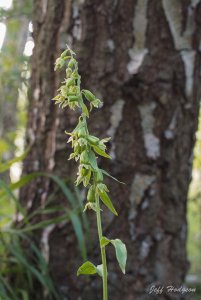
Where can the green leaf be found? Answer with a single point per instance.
(5, 166)
(38, 225)
(24, 295)
(106, 200)
(100, 152)
(79, 233)
(107, 174)
(83, 216)
(87, 268)
(121, 253)
(6, 286)
(104, 241)
(9, 192)
(92, 160)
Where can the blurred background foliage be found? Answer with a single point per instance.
(16, 46)
(194, 209)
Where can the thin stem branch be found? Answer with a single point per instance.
(103, 255)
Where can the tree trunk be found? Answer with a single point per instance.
(143, 59)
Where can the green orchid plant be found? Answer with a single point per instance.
(86, 149)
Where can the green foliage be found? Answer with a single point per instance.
(6, 165)
(106, 200)
(120, 250)
(87, 268)
(27, 266)
(22, 263)
(121, 253)
(86, 147)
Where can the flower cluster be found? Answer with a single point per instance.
(85, 146)
(70, 93)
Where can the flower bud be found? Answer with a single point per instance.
(68, 72)
(83, 171)
(77, 148)
(84, 157)
(81, 132)
(91, 194)
(63, 54)
(72, 63)
(69, 82)
(89, 95)
(93, 140)
(99, 176)
(73, 98)
(63, 91)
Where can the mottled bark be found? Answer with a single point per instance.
(143, 59)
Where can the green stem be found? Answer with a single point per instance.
(103, 255)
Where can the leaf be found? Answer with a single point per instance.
(121, 253)
(6, 286)
(39, 225)
(92, 160)
(87, 178)
(9, 192)
(79, 233)
(5, 166)
(68, 196)
(106, 200)
(104, 241)
(101, 152)
(107, 174)
(87, 268)
(24, 295)
(83, 216)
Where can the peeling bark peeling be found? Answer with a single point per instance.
(45, 241)
(183, 38)
(145, 248)
(44, 6)
(139, 185)
(152, 143)
(110, 45)
(170, 131)
(77, 24)
(115, 119)
(173, 12)
(138, 52)
(188, 58)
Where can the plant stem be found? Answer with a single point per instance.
(103, 255)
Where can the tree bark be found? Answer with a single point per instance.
(143, 59)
